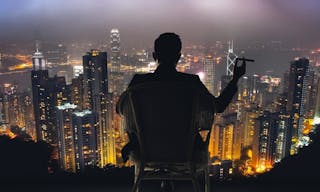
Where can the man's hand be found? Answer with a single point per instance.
(239, 71)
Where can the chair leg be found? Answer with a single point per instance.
(206, 180)
(196, 186)
(136, 184)
(137, 178)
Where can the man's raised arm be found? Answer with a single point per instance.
(230, 90)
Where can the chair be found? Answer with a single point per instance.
(166, 124)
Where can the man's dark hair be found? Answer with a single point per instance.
(167, 47)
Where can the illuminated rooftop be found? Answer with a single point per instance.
(316, 120)
(67, 106)
(82, 113)
(114, 30)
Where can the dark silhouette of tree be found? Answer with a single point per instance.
(22, 159)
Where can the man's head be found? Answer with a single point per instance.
(167, 49)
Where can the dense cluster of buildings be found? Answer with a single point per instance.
(76, 118)
(266, 122)
(269, 118)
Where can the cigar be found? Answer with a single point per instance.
(244, 59)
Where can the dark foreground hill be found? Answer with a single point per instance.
(23, 167)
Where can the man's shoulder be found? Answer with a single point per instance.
(141, 78)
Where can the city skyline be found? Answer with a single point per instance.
(62, 86)
(141, 21)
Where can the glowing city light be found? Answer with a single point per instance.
(316, 121)
(201, 75)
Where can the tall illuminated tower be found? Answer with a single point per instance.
(266, 124)
(115, 50)
(116, 83)
(296, 97)
(39, 78)
(97, 99)
(77, 138)
(214, 143)
(231, 59)
(111, 141)
(209, 70)
(84, 127)
(2, 110)
(317, 107)
(227, 142)
(38, 59)
(47, 93)
(65, 136)
(249, 116)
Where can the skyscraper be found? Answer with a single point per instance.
(14, 114)
(215, 141)
(77, 91)
(311, 93)
(317, 106)
(227, 142)
(296, 97)
(234, 127)
(116, 83)
(38, 60)
(47, 93)
(84, 127)
(77, 138)
(115, 50)
(56, 54)
(231, 59)
(65, 136)
(248, 120)
(96, 90)
(209, 70)
(282, 141)
(111, 143)
(39, 78)
(253, 88)
(267, 135)
(2, 115)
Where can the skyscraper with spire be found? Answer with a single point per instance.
(39, 79)
(47, 93)
(116, 83)
(38, 59)
(115, 50)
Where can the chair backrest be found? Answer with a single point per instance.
(164, 115)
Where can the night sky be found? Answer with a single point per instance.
(140, 21)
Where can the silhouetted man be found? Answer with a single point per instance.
(167, 52)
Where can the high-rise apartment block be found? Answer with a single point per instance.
(209, 71)
(297, 97)
(65, 136)
(97, 100)
(84, 128)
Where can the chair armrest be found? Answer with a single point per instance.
(120, 103)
